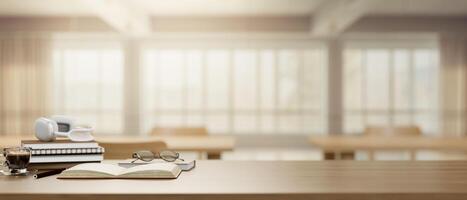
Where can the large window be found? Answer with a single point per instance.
(236, 86)
(250, 86)
(88, 83)
(391, 83)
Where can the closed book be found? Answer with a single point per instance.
(58, 144)
(67, 158)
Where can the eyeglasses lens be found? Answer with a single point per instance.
(169, 156)
(144, 155)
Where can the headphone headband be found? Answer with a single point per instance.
(46, 130)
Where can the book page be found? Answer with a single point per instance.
(156, 161)
(184, 165)
(156, 170)
(89, 169)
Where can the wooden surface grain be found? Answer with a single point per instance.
(266, 180)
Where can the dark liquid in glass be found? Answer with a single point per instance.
(17, 160)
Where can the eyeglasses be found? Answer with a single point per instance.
(147, 156)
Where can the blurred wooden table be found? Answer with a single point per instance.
(212, 145)
(344, 146)
(271, 180)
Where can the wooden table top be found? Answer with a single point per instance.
(361, 142)
(211, 143)
(266, 180)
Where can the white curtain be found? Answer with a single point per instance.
(453, 51)
(25, 74)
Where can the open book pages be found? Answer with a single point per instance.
(185, 165)
(101, 170)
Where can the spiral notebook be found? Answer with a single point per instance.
(67, 151)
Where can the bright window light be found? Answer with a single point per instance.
(391, 85)
(88, 84)
(236, 89)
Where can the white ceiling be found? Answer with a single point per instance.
(228, 7)
(421, 7)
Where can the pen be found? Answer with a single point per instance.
(48, 173)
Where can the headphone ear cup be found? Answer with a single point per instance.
(44, 129)
(54, 125)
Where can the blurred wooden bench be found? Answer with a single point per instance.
(179, 131)
(211, 145)
(184, 132)
(125, 149)
(407, 130)
(336, 147)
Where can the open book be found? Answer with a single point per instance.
(186, 165)
(100, 170)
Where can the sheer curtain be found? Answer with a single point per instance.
(453, 71)
(25, 73)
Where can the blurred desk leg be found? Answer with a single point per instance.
(337, 155)
(214, 155)
(329, 155)
(413, 155)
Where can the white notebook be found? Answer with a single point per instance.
(58, 144)
(67, 151)
(106, 171)
(67, 158)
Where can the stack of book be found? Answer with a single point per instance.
(62, 153)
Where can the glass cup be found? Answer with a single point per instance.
(17, 159)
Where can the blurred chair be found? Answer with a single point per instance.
(124, 150)
(408, 130)
(179, 131)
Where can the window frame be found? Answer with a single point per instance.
(231, 44)
(60, 45)
(391, 46)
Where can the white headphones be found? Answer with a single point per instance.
(47, 129)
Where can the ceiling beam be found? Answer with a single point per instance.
(125, 18)
(334, 16)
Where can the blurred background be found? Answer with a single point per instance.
(268, 73)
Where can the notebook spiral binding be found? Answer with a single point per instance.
(97, 150)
